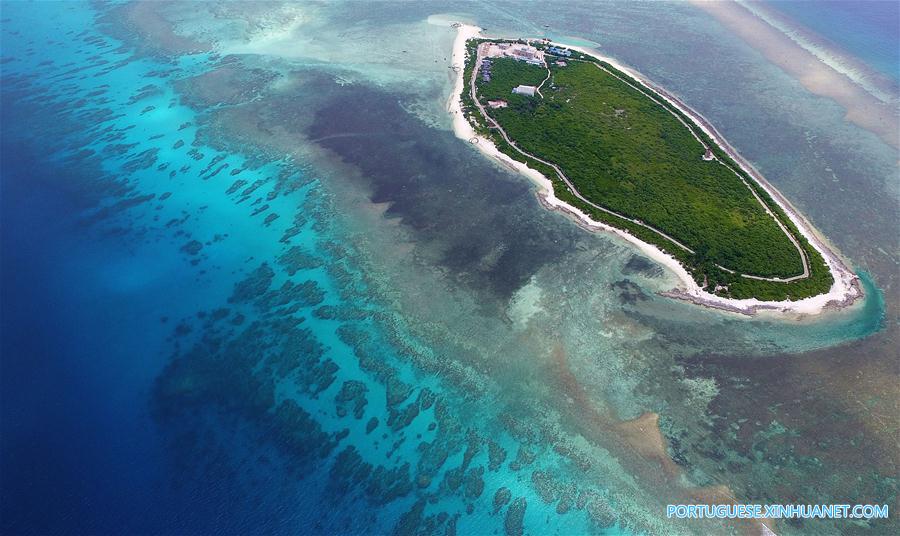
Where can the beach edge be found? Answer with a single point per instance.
(844, 292)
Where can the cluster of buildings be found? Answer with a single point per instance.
(516, 51)
(526, 53)
(556, 51)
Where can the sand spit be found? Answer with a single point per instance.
(863, 107)
(844, 291)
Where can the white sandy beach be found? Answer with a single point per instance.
(844, 291)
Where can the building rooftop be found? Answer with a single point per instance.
(524, 90)
(559, 51)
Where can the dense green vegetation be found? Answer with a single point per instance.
(624, 150)
(627, 153)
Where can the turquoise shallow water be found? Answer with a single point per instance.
(271, 292)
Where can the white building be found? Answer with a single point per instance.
(524, 90)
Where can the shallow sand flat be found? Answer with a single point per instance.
(863, 108)
(844, 292)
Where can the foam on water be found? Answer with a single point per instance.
(865, 30)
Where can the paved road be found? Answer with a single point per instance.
(577, 194)
(558, 171)
(759, 199)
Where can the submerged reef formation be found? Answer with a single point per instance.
(374, 329)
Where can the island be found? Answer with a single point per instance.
(621, 154)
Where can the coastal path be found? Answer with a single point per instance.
(571, 187)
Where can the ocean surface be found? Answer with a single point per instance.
(250, 282)
(868, 30)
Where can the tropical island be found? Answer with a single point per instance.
(621, 154)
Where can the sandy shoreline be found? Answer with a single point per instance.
(844, 291)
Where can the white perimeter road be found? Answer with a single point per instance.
(843, 292)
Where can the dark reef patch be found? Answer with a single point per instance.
(352, 397)
(513, 525)
(501, 498)
(297, 258)
(628, 292)
(192, 248)
(641, 265)
(300, 434)
(481, 232)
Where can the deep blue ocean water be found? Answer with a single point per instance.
(137, 347)
(82, 337)
(868, 29)
(70, 345)
(97, 276)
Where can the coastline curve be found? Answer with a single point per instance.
(845, 289)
